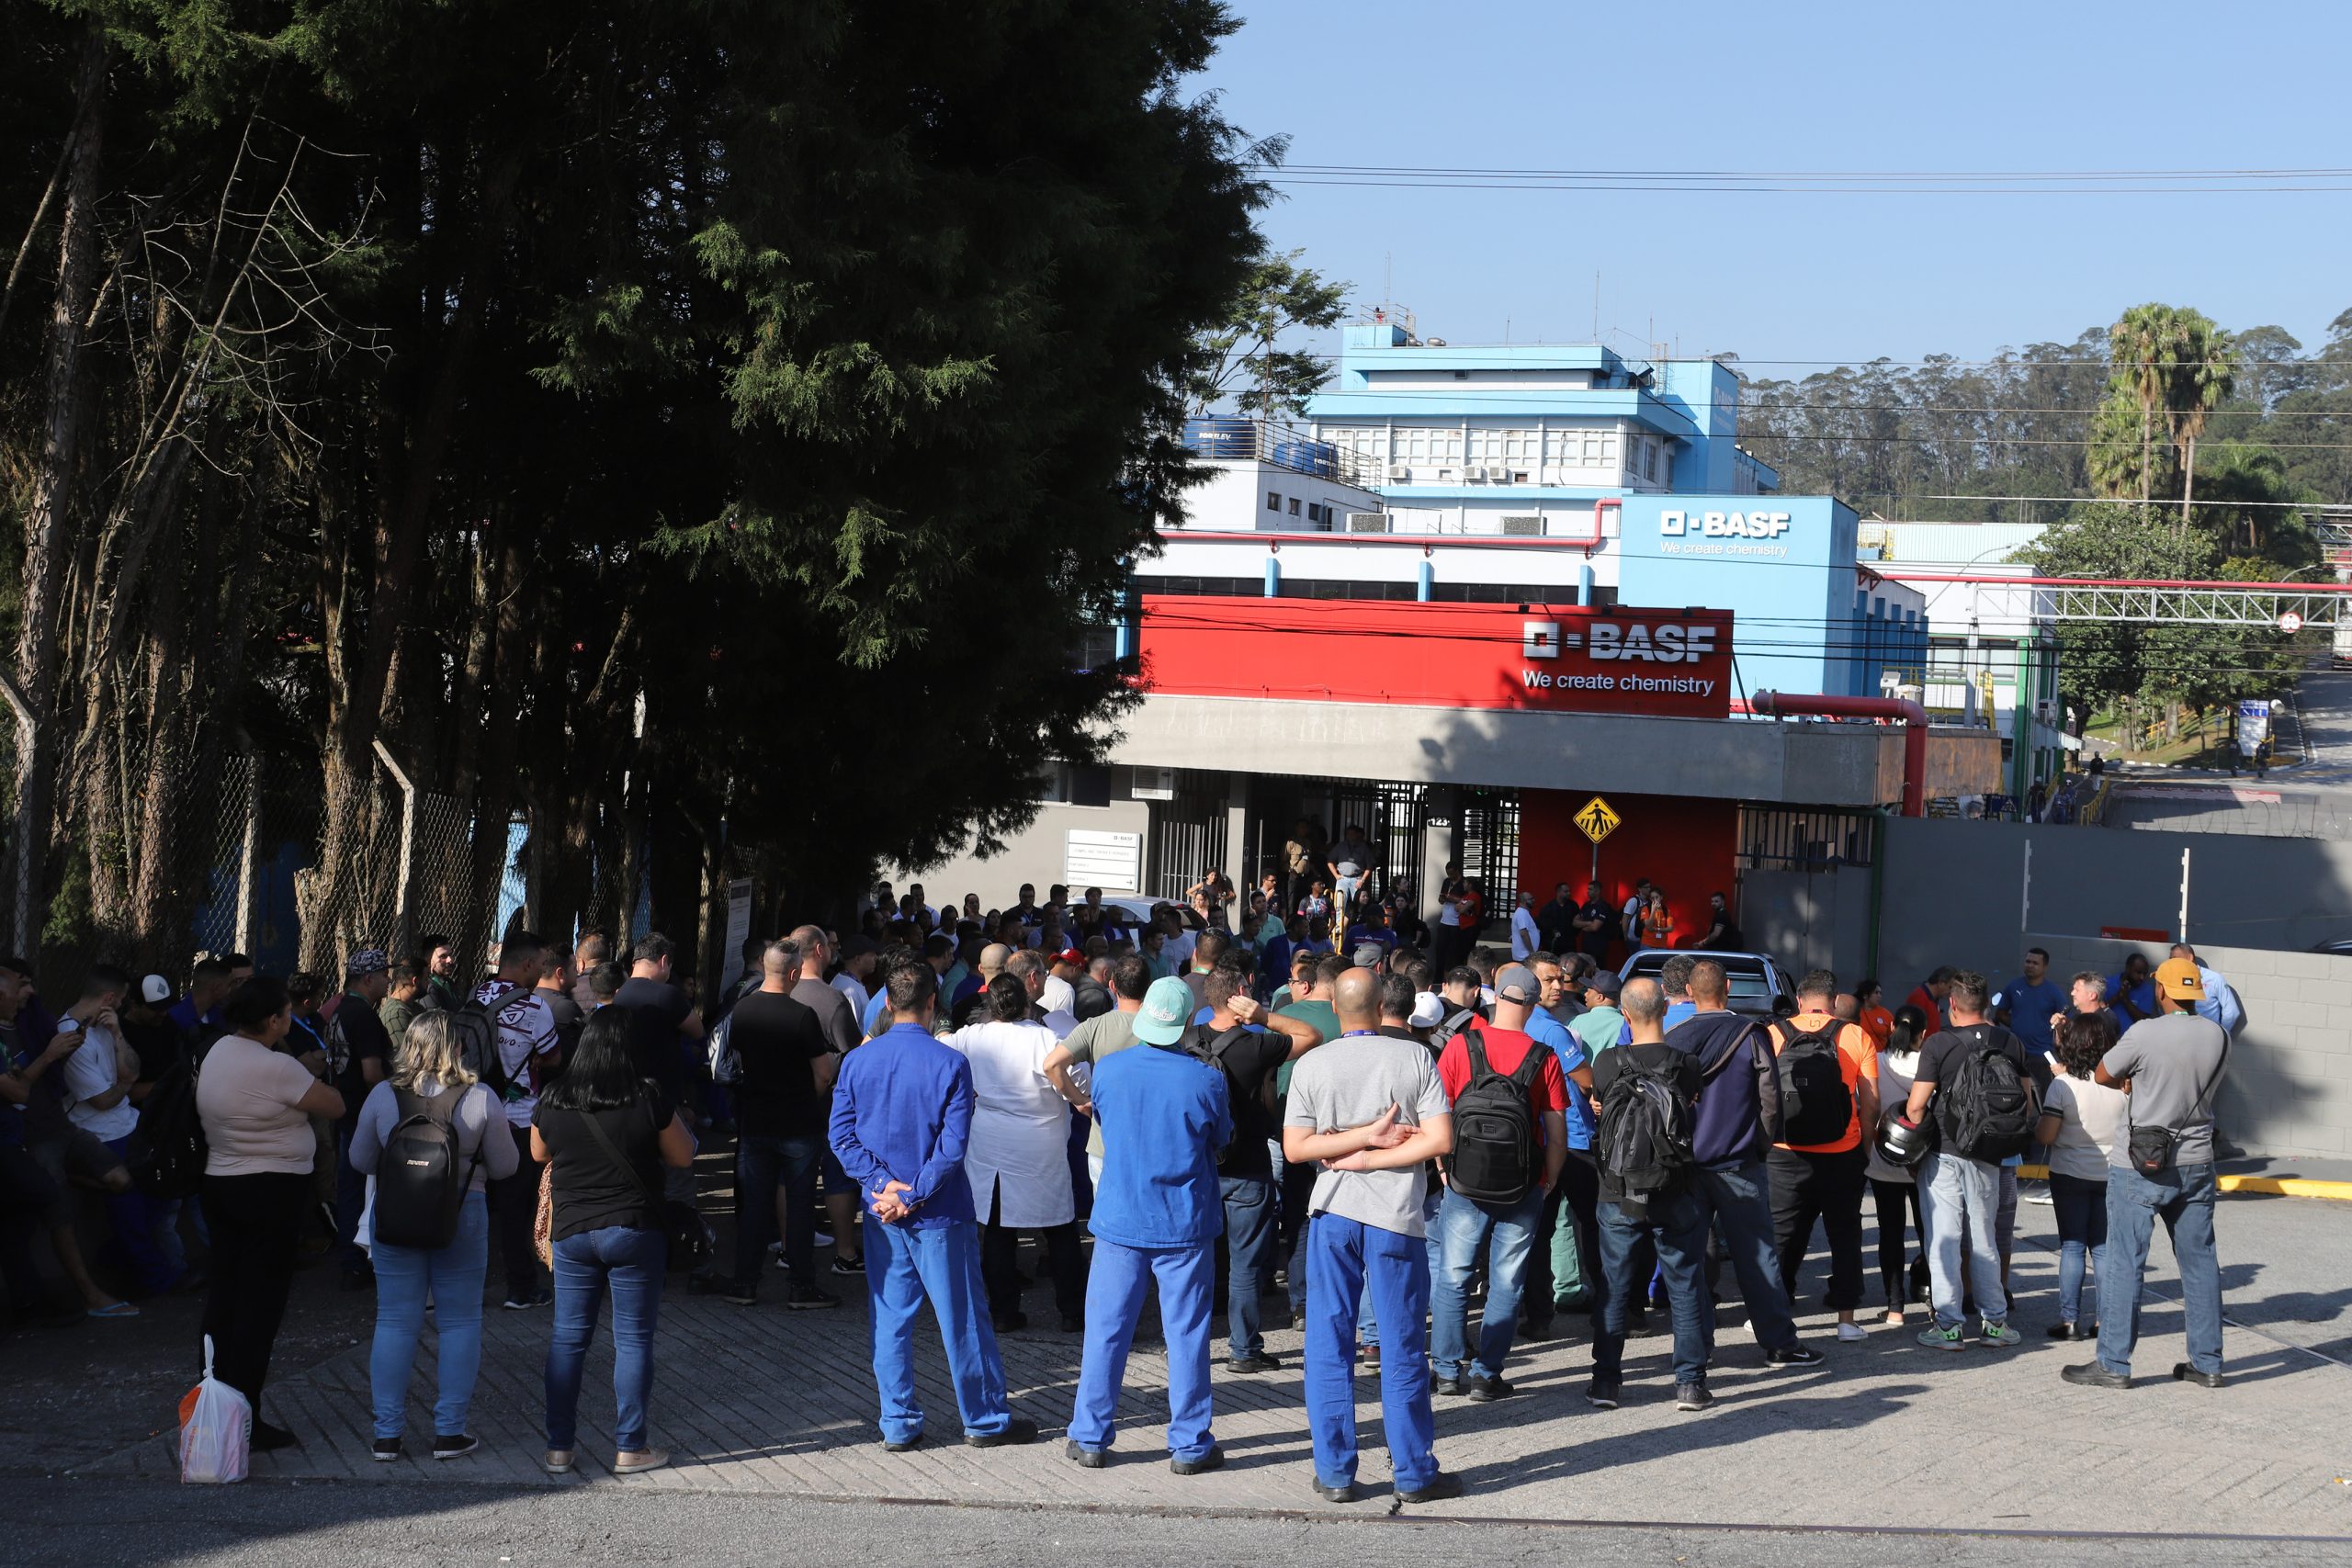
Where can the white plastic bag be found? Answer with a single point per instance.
(216, 1424)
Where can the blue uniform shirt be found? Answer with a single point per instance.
(1548, 1031)
(2142, 997)
(1164, 1118)
(2030, 1007)
(902, 1112)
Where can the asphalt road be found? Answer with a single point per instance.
(85, 1523)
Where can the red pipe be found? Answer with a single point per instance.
(1778, 704)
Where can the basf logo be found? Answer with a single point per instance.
(1723, 533)
(1539, 639)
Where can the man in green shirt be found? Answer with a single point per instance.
(400, 1005)
(1600, 1025)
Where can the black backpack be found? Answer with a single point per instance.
(1456, 1022)
(1495, 1158)
(1986, 1104)
(1644, 1137)
(476, 1026)
(1815, 1105)
(421, 1179)
(168, 1151)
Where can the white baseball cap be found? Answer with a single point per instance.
(155, 989)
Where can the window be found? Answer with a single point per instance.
(1649, 458)
(1066, 784)
(1293, 507)
(1273, 500)
(1204, 587)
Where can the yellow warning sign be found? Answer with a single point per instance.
(1598, 819)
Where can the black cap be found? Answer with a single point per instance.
(1603, 983)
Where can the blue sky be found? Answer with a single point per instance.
(1802, 85)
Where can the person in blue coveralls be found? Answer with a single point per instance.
(902, 1116)
(1370, 1113)
(1158, 1213)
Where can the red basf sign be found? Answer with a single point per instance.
(1443, 655)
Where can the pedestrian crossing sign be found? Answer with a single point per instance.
(1597, 819)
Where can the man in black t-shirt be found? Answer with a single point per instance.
(663, 1019)
(1247, 1042)
(781, 1106)
(359, 1055)
(1722, 933)
(1555, 922)
(1595, 925)
(555, 989)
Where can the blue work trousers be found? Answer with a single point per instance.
(1115, 1289)
(903, 1265)
(1345, 1260)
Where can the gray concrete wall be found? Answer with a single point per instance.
(1956, 891)
(2287, 1089)
(1809, 919)
(1034, 855)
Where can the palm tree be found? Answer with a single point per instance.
(2175, 360)
(2138, 345)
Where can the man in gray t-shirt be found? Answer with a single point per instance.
(1371, 1111)
(2172, 1066)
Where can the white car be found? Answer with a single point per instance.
(1756, 981)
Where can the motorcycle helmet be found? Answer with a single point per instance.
(1901, 1143)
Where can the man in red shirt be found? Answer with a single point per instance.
(1820, 1174)
(1929, 997)
(1463, 1223)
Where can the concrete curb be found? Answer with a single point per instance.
(2264, 1186)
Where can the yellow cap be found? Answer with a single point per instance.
(2179, 978)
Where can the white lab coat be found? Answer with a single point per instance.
(1019, 1156)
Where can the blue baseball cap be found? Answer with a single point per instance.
(1167, 1009)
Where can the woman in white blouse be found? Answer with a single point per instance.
(1018, 1157)
(1894, 1191)
(2081, 1119)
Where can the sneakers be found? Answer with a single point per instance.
(1369, 1365)
(1453, 1385)
(538, 1297)
(2090, 1374)
(2073, 1331)
(1601, 1394)
(1793, 1356)
(1692, 1396)
(386, 1451)
(741, 1295)
(2000, 1334)
(1485, 1391)
(810, 1298)
(1850, 1334)
(1939, 1338)
(640, 1462)
(455, 1447)
(851, 1268)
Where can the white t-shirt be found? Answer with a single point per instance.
(90, 1072)
(2091, 1116)
(525, 1030)
(1060, 995)
(846, 984)
(1178, 950)
(1524, 936)
(1018, 1156)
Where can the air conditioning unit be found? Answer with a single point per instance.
(1399, 472)
(1154, 783)
(2045, 710)
(1500, 476)
(1523, 528)
(1368, 523)
(1474, 475)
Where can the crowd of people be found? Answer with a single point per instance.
(1209, 1103)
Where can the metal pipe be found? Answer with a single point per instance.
(1781, 705)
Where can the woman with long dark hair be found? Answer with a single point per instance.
(1894, 1191)
(256, 1102)
(607, 1133)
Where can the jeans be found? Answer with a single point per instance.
(904, 1266)
(1186, 1277)
(631, 1263)
(1249, 1213)
(451, 1278)
(256, 1221)
(1734, 1193)
(762, 1163)
(2082, 1234)
(1828, 1187)
(1298, 1188)
(136, 1221)
(515, 1203)
(351, 1201)
(1348, 1261)
(1958, 1198)
(1463, 1225)
(1898, 1205)
(2185, 1198)
(1676, 1233)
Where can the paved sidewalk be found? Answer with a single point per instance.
(762, 1400)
